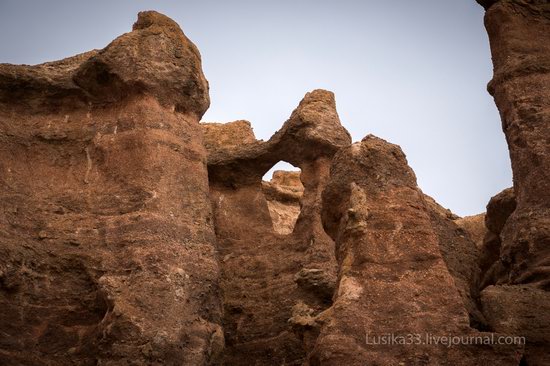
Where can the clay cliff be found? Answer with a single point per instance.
(133, 234)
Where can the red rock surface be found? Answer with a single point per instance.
(392, 276)
(267, 276)
(517, 256)
(132, 234)
(283, 193)
(519, 32)
(108, 248)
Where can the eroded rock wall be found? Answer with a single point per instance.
(132, 234)
(519, 33)
(108, 247)
(273, 282)
(393, 279)
(283, 193)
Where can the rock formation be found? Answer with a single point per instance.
(132, 234)
(474, 226)
(268, 275)
(108, 248)
(519, 32)
(392, 275)
(519, 251)
(283, 194)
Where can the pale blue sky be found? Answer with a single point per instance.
(411, 72)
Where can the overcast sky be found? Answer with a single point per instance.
(411, 72)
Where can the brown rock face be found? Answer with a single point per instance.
(519, 32)
(499, 209)
(516, 254)
(283, 194)
(461, 256)
(474, 226)
(521, 310)
(108, 248)
(131, 234)
(269, 277)
(392, 276)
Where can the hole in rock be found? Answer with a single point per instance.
(283, 190)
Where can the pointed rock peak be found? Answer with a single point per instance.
(151, 18)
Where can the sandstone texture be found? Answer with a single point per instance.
(133, 234)
(283, 193)
(274, 270)
(108, 247)
(392, 275)
(474, 227)
(499, 209)
(519, 32)
(516, 251)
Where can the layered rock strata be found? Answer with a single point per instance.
(268, 276)
(132, 234)
(519, 33)
(392, 277)
(108, 246)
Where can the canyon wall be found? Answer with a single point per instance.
(517, 257)
(107, 239)
(132, 234)
(274, 280)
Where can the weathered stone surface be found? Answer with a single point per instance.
(519, 33)
(126, 226)
(499, 209)
(521, 310)
(108, 248)
(267, 276)
(313, 131)
(392, 276)
(461, 256)
(516, 252)
(220, 136)
(474, 227)
(283, 194)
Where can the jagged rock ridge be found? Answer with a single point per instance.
(132, 234)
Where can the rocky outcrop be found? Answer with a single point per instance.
(519, 32)
(392, 277)
(521, 310)
(517, 256)
(132, 234)
(474, 227)
(283, 194)
(461, 257)
(499, 209)
(271, 276)
(108, 247)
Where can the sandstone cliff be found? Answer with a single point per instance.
(517, 252)
(108, 247)
(132, 234)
